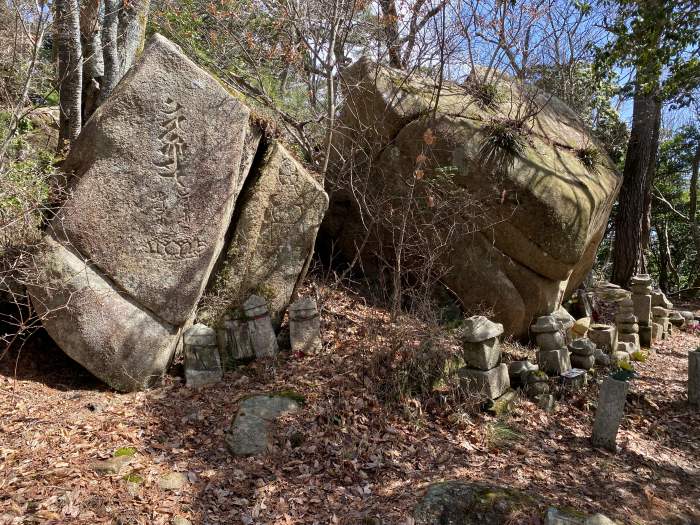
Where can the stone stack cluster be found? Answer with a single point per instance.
(249, 332)
(553, 356)
(627, 326)
(640, 286)
(661, 326)
(483, 371)
(582, 353)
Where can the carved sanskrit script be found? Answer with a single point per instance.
(173, 237)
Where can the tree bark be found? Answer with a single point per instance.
(639, 168)
(123, 34)
(694, 218)
(391, 32)
(664, 256)
(93, 60)
(70, 70)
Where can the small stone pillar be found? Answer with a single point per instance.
(261, 335)
(626, 322)
(237, 339)
(582, 353)
(202, 361)
(608, 415)
(305, 326)
(640, 285)
(694, 377)
(604, 336)
(660, 317)
(553, 357)
(482, 354)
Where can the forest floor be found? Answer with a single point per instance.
(360, 460)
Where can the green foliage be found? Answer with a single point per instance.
(638, 356)
(589, 157)
(124, 451)
(485, 94)
(659, 40)
(502, 142)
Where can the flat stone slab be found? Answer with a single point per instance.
(479, 328)
(608, 416)
(250, 432)
(545, 324)
(156, 175)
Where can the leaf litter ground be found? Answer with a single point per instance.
(355, 458)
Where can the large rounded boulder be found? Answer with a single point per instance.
(501, 183)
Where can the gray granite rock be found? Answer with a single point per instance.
(585, 362)
(261, 334)
(305, 326)
(545, 324)
(202, 360)
(582, 347)
(604, 337)
(479, 328)
(554, 362)
(483, 355)
(491, 383)
(156, 175)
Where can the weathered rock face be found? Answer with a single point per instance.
(155, 176)
(273, 238)
(168, 143)
(532, 220)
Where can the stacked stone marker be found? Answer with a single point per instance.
(482, 354)
(608, 415)
(660, 328)
(261, 334)
(627, 326)
(640, 285)
(582, 353)
(305, 326)
(604, 336)
(553, 357)
(202, 361)
(694, 377)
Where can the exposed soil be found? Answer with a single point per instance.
(359, 458)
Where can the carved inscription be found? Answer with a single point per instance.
(170, 212)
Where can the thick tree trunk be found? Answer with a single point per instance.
(70, 69)
(641, 156)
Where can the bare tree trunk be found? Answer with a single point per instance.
(664, 256)
(70, 69)
(93, 61)
(641, 155)
(694, 218)
(391, 32)
(123, 34)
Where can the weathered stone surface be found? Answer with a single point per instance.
(458, 503)
(604, 337)
(156, 174)
(491, 383)
(273, 239)
(556, 516)
(584, 362)
(564, 318)
(620, 356)
(545, 324)
(202, 360)
(694, 378)
(580, 328)
(479, 328)
(659, 312)
(645, 336)
(524, 252)
(575, 379)
(608, 415)
(261, 335)
(676, 319)
(583, 347)
(554, 362)
(642, 308)
(250, 432)
(483, 355)
(519, 370)
(305, 326)
(172, 481)
(658, 298)
(121, 343)
(601, 358)
(550, 341)
(629, 338)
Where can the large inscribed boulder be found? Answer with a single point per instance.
(157, 170)
(524, 215)
(154, 175)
